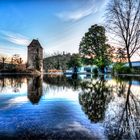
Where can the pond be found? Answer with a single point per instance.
(59, 107)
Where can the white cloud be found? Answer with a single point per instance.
(15, 38)
(8, 49)
(90, 7)
(75, 15)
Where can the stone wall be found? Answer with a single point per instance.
(35, 56)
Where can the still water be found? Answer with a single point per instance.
(58, 107)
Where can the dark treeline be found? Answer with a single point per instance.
(61, 61)
(56, 61)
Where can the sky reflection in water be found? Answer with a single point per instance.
(57, 107)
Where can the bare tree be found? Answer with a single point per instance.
(16, 59)
(123, 19)
(3, 59)
(121, 55)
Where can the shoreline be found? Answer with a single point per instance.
(47, 73)
(129, 75)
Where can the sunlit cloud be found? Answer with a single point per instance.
(15, 38)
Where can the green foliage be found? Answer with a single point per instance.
(121, 69)
(93, 47)
(117, 67)
(87, 61)
(62, 61)
(95, 71)
(75, 60)
(135, 70)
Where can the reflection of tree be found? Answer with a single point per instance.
(122, 117)
(15, 82)
(74, 82)
(55, 80)
(2, 83)
(94, 99)
(34, 89)
(120, 87)
(61, 81)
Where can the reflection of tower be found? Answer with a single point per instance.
(34, 89)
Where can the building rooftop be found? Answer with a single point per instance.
(35, 43)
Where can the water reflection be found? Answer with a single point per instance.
(116, 104)
(94, 98)
(62, 81)
(58, 118)
(14, 82)
(79, 107)
(35, 89)
(33, 84)
(122, 116)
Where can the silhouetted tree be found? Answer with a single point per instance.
(123, 19)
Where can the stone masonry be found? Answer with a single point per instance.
(35, 56)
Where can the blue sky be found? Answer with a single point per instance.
(58, 24)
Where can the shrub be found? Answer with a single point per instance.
(125, 70)
(135, 71)
(121, 69)
(95, 71)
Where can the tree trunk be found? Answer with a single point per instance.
(102, 69)
(129, 61)
(3, 64)
(128, 57)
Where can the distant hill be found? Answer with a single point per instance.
(57, 61)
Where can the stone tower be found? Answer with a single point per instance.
(35, 56)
